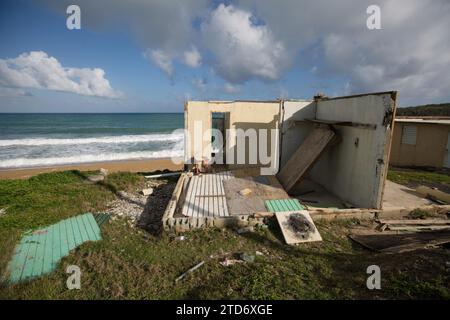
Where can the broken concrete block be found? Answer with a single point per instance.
(104, 172)
(96, 178)
(147, 192)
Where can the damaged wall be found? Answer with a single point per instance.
(355, 169)
(242, 115)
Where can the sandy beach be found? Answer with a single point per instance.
(146, 165)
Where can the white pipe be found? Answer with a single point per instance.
(162, 175)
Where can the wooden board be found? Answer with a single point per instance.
(289, 235)
(254, 202)
(305, 156)
(433, 193)
(416, 222)
(397, 243)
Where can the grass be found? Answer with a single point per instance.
(129, 263)
(414, 178)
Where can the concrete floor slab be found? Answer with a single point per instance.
(397, 196)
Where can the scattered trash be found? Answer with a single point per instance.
(259, 253)
(2, 211)
(245, 192)
(189, 271)
(245, 230)
(96, 178)
(147, 192)
(180, 238)
(229, 262)
(247, 257)
(103, 172)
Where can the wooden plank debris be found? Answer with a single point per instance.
(398, 243)
(416, 221)
(305, 156)
(292, 236)
(434, 194)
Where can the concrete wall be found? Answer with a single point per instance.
(294, 131)
(242, 115)
(429, 151)
(355, 169)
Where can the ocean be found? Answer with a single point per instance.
(31, 140)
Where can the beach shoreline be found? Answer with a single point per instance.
(141, 165)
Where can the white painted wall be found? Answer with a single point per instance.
(356, 168)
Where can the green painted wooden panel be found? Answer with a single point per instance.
(283, 205)
(40, 251)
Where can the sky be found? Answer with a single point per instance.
(152, 55)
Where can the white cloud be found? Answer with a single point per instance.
(192, 58)
(230, 88)
(409, 53)
(36, 69)
(200, 84)
(242, 48)
(162, 60)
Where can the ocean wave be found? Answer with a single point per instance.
(88, 158)
(157, 137)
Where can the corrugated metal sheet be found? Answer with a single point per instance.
(40, 251)
(283, 205)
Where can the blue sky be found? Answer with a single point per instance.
(239, 50)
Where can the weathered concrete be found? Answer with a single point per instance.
(399, 196)
(356, 168)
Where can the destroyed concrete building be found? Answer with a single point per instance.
(328, 155)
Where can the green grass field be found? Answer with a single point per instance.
(130, 263)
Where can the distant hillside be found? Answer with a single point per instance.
(442, 109)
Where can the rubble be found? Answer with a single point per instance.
(147, 192)
(96, 178)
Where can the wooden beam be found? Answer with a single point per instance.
(344, 123)
(305, 156)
